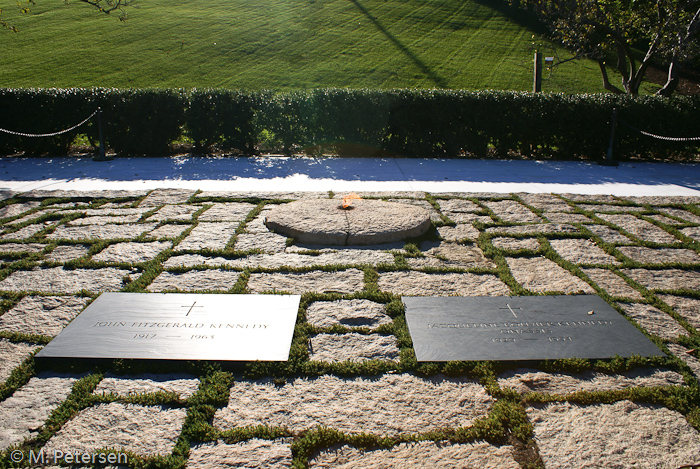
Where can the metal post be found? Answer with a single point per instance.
(537, 79)
(609, 156)
(102, 156)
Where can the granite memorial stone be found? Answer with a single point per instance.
(180, 326)
(521, 328)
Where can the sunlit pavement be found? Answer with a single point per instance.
(277, 173)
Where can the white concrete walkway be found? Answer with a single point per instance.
(276, 173)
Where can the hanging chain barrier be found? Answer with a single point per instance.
(53, 134)
(98, 112)
(609, 157)
(661, 137)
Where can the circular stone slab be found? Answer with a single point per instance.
(325, 222)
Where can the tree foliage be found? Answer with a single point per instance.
(613, 32)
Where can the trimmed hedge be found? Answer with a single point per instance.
(421, 123)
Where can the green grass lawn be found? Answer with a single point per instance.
(283, 44)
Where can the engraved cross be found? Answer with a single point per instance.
(508, 307)
(190, 310)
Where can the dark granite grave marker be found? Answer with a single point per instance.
(180, 326)
(521, 328)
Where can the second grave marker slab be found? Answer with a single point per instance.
(180, 326)
(521, 328)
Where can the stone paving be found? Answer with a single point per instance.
(354, 379)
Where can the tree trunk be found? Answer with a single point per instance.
(672, 79)
(606, 82)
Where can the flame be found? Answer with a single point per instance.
(347, 200)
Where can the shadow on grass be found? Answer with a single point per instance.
(434, 77)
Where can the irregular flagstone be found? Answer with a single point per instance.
(60, 280)
(612, 283)
(452, 255)
(349, 313)
(267, 242)
(279, 260)
(229, 211)
(666, 220)
(664, 199)
(12, 355)
(104, 220)
(174, 212)
(666, 279)
(346, 250)
(613, 435)
(257, 224)
(424, 204)
(660, 255)
(22, 248)
(70, 194)
(543, 228)
(66, 253)
(418, 454)
(609, 235)
(689, 308)
(182, 385)
(611, 208)
(515, 244)
(352, 347)
(195, 280)
(28, 231)
(143, 430)
(252, 454)
(43, 315)
(166, 196)
(682, 214)
(547, 202)
(582, 251)
(654, 320)
(458, 233)
(463, 217)
(27, 409)
(345, 281)
(32, 216)
(208, 235)
(132, 253)
(385, 194)
(510, 210)
(556, 217)
(388, 404)
(116, 210)
(692, 232)
(101, 231)
(168, 231)
(682, 353)
(640, 228)
(14, 210)
(477, 195)
(423, 284)
(262, 195)
(541, 275)
(529, 380)
(602, 198)
(458, 205)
